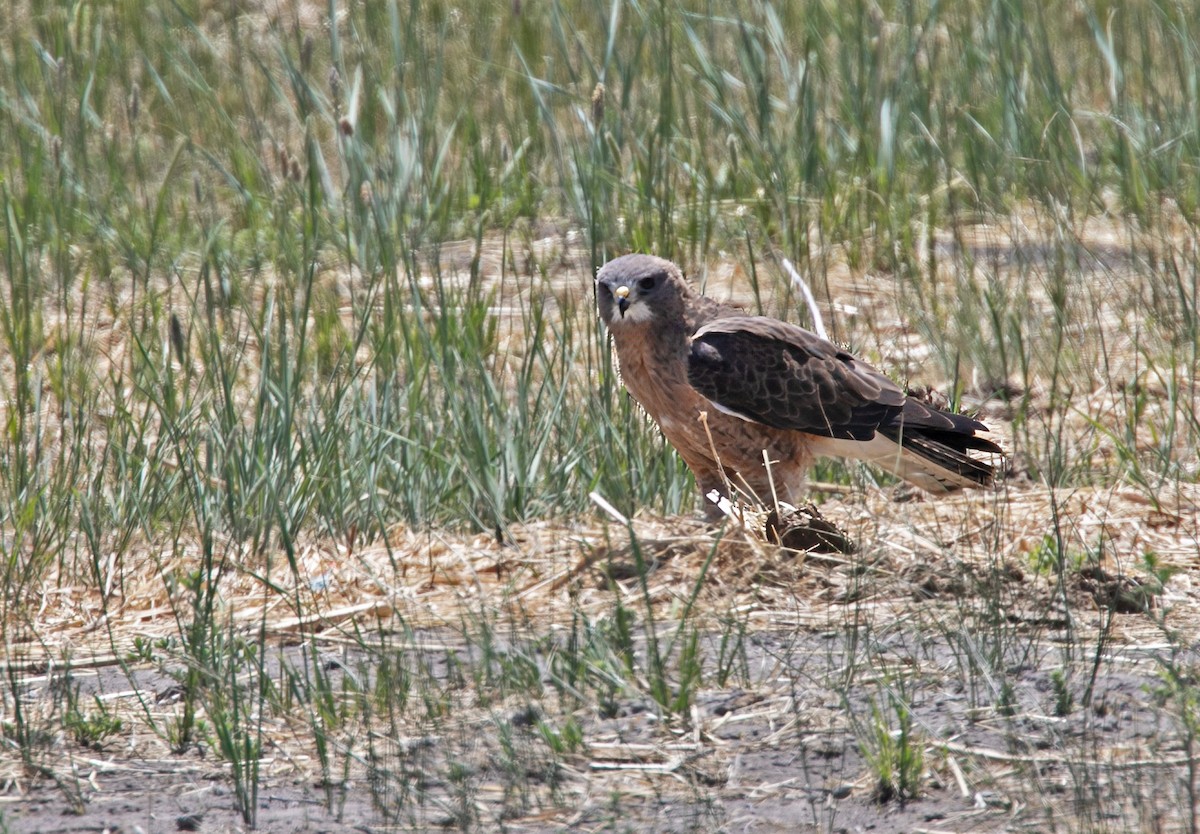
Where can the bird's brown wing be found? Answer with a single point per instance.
(772, 372)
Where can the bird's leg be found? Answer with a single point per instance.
(714, 484)
(722, 502)
(713, 497)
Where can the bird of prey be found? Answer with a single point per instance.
(725, 387)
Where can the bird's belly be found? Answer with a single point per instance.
(750, 455)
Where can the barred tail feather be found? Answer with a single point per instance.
(939, 461)
(935, 460)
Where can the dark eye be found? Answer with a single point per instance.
(648, 282)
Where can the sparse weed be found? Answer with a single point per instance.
(1064, 701)
(1180, 693)
(893, 749)
(90, 727)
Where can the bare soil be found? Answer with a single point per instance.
(978, 645)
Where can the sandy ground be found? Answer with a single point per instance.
(774, 737)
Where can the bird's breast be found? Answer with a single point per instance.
(656, 379)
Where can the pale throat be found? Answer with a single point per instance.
(637, 313)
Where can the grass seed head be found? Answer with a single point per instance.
(335, 84)
(306, 53)
(598, 103)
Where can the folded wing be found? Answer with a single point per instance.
(783, 376)
(771, 372)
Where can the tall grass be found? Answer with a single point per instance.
(270, 193)
(285, 272)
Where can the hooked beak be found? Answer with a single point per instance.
(622, 294)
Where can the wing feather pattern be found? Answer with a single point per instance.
(783, 376)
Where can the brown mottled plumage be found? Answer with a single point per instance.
(763, 384)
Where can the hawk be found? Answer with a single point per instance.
(725, 387)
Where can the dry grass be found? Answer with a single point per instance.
(295, 460)
(922, 561)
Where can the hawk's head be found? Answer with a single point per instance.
(640, 289)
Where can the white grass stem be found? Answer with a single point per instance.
(809, 299)
(602, 502)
